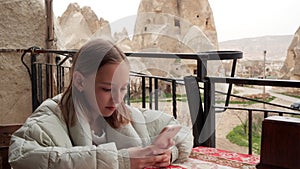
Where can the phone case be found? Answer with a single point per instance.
(167, 133)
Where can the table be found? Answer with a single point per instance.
(212, 158)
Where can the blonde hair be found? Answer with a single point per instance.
(87, 61)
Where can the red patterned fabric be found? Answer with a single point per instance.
(212, 158)
(224, 157)
(171, 166)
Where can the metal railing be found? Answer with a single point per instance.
(148, 79)
(256, 82)
(49, 79)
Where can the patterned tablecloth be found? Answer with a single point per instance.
(212, 158)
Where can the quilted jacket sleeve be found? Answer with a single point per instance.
(43, 143)
(31, 155)
(29, 149)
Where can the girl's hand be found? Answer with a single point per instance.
(165, 160)
(141, 157)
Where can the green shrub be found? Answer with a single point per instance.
(239, 136)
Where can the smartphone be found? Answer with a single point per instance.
(166, 134)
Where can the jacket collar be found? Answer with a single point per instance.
(80, 133)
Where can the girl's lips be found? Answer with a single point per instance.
(111, 107)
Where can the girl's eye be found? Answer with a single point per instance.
(106, 89)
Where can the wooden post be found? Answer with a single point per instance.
(50, 24)
(50, 43)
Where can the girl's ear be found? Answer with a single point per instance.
(78, 81)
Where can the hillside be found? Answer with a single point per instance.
(253, 48)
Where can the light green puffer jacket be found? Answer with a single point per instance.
(45, 141)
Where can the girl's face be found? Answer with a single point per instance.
(110, 87)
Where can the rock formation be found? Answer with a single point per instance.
(175, 26)
(291, 68)
(161, 25)
(78, 25)
(122, 40)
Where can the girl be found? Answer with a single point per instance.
(89, 125)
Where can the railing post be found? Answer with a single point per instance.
(174, 98)
(233, 67)
(208, 130)
(265, 114)
(150, 92)
(128, 94)
(34, 82)
(250, 132)
(51, 81)
(40, 82)
(156, 93)
(47, 81)
(143, 92)
(62, 79)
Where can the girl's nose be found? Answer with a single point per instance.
(117, 98)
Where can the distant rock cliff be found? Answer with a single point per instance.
(291, 67)
(253, 48)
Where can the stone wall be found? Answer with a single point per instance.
(23, 25)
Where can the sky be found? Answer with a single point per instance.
(234, 19)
